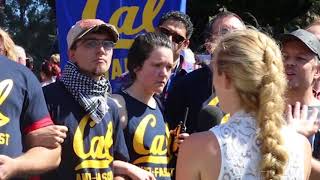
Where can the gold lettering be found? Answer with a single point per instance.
(96, 176)
(3, 119)
(124, 44)
(159, 171)
(126, 64)
(107, 176)
(5, 89)
(86, 176)
(138, 142)
(78, 139)
(99, 147)
(98, 142)
(157, 145)
(158, 152)
(90, 9)
(127, 26)
(116, 69)
(162, 172)
(150, 11)
(156, 172)
(169, 138)
(4, 138)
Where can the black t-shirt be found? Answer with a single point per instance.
(22, 106)
(191, 91)
(90, 148)
(148, 139)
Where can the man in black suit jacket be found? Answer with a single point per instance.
(194, 89)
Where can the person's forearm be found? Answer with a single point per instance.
(121, 167)
(119, 178)
(125, 169)
(315, 169)
(38, 160)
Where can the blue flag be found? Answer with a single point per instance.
(130, 17)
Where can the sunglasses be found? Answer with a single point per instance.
(175, 37)
(94, 43)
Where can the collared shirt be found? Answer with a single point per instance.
(176, 74)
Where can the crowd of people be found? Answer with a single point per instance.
(250, 111)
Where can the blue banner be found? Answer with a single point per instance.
(130, 17)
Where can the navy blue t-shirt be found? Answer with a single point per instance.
(22, 106)
(148, 139)
(90, 148)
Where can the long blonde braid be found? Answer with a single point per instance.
(253, 61)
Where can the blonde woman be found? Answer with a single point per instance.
(55, 59)
(255, 143)
(7, 46)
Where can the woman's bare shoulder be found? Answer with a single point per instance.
(204, 142)
(202, 152)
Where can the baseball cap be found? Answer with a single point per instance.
(309, 39)
(86, 26)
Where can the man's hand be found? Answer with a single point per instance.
(181, 138)
(299, 120)
(7, 167)
(49, 136)
(131, 171)
(177, 140)
(141, 174)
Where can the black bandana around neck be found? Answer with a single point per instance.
(91, 94)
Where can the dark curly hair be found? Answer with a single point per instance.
(181, 17)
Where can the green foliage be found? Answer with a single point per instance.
(272, 16)
(30, 24)
(305, 19)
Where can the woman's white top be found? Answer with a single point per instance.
(51, 80)
(240, 153)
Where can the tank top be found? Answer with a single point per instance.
(240, 153)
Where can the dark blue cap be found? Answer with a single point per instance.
(309, 39)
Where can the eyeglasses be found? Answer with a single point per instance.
(94, 43)
(224, 30)
(177, 38)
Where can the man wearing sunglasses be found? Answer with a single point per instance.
(195, 90)
(179, 28)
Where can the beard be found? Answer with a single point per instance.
(299, 85)
(293, 85)
(98, 71)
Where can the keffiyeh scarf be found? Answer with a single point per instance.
(91, 94)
